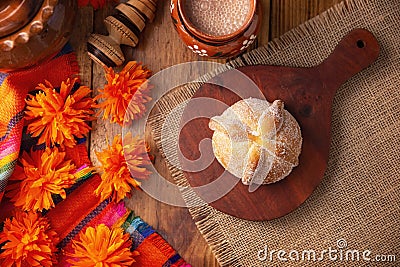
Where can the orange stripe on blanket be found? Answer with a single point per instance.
(15, 87)
(154, 252)
(78, 154)
(71, 211)
(108, 216)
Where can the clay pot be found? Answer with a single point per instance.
(32, 31)
(216, 37)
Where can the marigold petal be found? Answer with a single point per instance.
(128, 86)
(119, 175)
(57, 117)
(29, 241)
(101, 246)
(40, 175)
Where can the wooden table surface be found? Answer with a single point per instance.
(159, 48)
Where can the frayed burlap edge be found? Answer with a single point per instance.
(204, 216)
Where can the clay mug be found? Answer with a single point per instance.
(214, 28)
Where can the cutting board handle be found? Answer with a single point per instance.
(356, 51)
(307, 94)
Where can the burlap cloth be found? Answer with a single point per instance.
(358, 199)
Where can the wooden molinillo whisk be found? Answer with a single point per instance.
(124, 28)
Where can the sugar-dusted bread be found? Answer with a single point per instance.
(257, 141)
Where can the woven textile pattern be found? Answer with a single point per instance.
(13, 90)
(82, 208)
(358, 200)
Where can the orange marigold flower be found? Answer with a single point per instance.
(101, 246)
(117, 178)
(136, 156)
(59, 117)
(40, 175)
(29, 241)
(125, 93)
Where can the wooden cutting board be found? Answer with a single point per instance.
(308, 95)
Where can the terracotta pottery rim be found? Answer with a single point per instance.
(19, 11)
(222, 38)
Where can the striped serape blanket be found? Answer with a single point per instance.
(81, 209)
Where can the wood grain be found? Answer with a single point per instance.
(287, 14)
(84, 21)
(159, 47)
(308, 95)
